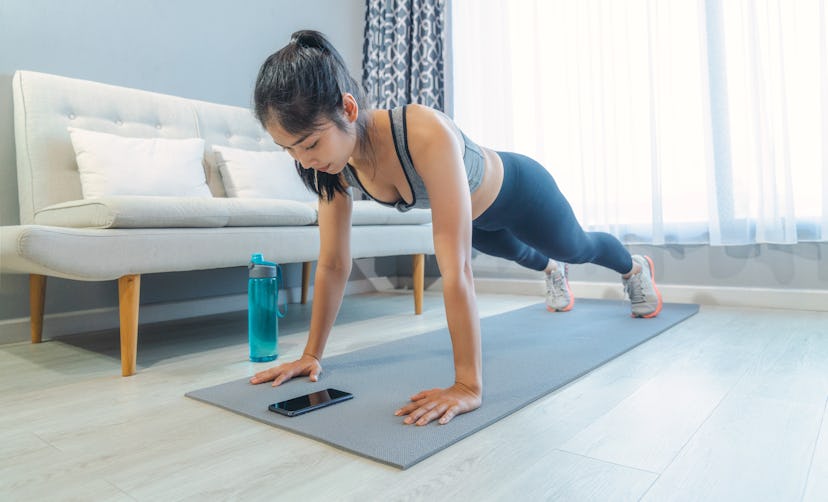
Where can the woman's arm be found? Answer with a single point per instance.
(438, 157)
(332, 271)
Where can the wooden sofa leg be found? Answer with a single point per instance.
(306, 271)
(129, 292)
(419, 282)
(37, 299)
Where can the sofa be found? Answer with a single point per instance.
(70, 227)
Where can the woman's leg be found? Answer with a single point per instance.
(533, 210)
(503, 244)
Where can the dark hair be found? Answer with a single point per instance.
(301, 86)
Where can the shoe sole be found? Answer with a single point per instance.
(568, 290)
(655, 288)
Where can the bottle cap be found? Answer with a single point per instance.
(258, 268)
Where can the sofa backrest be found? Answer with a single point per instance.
(45, 105)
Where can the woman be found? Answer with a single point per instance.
(502, 204)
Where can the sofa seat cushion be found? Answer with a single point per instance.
(267, 212)
(368, 212)
(174, 212)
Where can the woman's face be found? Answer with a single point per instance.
(326, 149)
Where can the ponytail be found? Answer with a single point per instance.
(310, 39)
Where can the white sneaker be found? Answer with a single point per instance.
(645, 298)
(559, 297)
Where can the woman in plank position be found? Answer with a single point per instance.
(502, 204)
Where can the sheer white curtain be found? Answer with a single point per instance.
(681, 121)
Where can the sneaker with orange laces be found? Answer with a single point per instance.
(641, 289)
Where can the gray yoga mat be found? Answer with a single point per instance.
(527, 353)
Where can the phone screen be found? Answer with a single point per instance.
(309, 402)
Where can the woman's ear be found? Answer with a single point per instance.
(350, 107)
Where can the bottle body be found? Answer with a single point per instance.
(262, 321)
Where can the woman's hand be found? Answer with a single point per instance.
(444, 404)
(306, 365)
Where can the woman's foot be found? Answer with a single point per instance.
(559, 297)
(641, 289)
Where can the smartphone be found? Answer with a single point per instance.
(309, 402)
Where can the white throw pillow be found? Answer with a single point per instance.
(116, 165)
(261, 174)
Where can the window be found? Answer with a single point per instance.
(682, 121)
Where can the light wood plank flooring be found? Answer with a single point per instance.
(729, 405)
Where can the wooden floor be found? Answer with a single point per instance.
(729, 405)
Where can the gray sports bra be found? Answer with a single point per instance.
(472, 158)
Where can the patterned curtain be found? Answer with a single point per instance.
(402, 57)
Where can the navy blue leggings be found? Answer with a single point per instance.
(530, 221)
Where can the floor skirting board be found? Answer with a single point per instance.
(793, 299)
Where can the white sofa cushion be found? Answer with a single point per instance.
(233, 126)
(368, 212)
(174, 212)
(260, 174)
(112, 165)
(267, 212)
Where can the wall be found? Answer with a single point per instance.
(200, 49)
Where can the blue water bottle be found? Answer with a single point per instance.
(265, 279)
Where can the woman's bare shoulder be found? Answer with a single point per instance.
(419, 112)
(427, 125)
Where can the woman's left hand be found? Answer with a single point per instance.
(444, 404)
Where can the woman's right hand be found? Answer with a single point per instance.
(305, 365)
